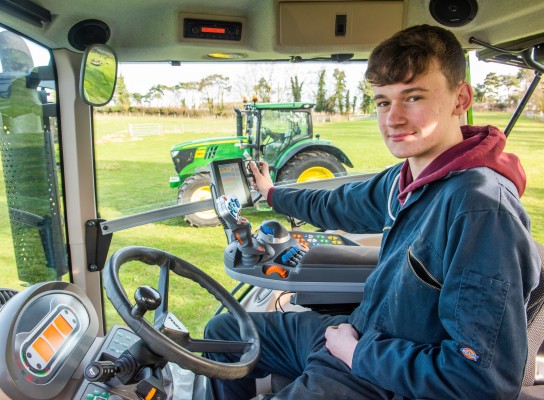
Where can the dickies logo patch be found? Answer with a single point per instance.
(469, 354)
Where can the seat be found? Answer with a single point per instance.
(5, 295)
(533, 380)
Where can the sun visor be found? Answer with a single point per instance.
(338, 23)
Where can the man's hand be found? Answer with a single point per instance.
(341, 342)
(262, 177)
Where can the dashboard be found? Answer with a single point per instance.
(48, 335)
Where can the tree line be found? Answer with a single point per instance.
(330, 93)
(504, 92)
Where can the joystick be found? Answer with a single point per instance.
(273, 232)
(228, 208)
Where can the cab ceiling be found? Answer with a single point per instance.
(143, 30)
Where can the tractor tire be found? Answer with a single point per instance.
(310, 166)
(196, 188)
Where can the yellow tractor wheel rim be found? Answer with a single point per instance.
(203, 193)
(314, 174)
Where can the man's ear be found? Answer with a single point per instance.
(464, 98)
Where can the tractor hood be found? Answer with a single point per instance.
(203, 143)
(195, 155)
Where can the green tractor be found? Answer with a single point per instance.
(280, 134)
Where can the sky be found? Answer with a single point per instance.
(139, 78)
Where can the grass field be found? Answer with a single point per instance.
(133, 176)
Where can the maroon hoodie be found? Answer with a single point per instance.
(482, 147)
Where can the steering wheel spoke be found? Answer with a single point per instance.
(217, 346)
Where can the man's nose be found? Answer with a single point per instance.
(396, 115)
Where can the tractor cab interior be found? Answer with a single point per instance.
(59, 62)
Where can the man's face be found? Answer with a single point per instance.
(420, 120)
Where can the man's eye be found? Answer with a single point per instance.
(414, 98)
(382, 104)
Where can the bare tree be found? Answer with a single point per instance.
(213, 88)
(263, 90)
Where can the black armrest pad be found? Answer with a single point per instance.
(341, 255)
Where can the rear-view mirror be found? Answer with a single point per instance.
(98, 75)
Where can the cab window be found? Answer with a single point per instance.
(31, 214)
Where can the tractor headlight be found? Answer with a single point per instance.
(182, 158)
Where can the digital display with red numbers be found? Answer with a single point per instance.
(215, 30)
(207, 29)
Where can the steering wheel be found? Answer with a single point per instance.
(167, 337)
(274, 136)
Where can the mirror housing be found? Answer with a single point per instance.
(98, 75)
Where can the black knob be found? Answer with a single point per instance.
(100, 371)
(146, 299)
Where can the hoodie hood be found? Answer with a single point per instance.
(482, 147)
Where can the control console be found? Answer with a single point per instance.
(272, 257)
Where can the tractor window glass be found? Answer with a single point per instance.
(281, 129)
(155, 140)
(31, 216)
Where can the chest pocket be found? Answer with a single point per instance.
(421, 271)
(425, 263)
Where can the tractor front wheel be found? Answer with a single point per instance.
(311, 166)
(196, 188)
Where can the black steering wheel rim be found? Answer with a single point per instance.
(156, 340)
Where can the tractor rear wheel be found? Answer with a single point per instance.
(196, 188)
(311, 166)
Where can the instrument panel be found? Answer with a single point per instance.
(48, 335)
(45, 332)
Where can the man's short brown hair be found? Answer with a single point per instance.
(409, 54)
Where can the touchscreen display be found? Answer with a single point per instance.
(230, 180)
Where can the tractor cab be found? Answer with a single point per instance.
(272, 129)
(100, 300)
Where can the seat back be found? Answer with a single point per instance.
(5, 295)
(535, 323)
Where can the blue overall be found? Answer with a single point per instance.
(443, 314)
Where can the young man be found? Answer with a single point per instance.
(443, 315)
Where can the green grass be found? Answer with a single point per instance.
(133, 176)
